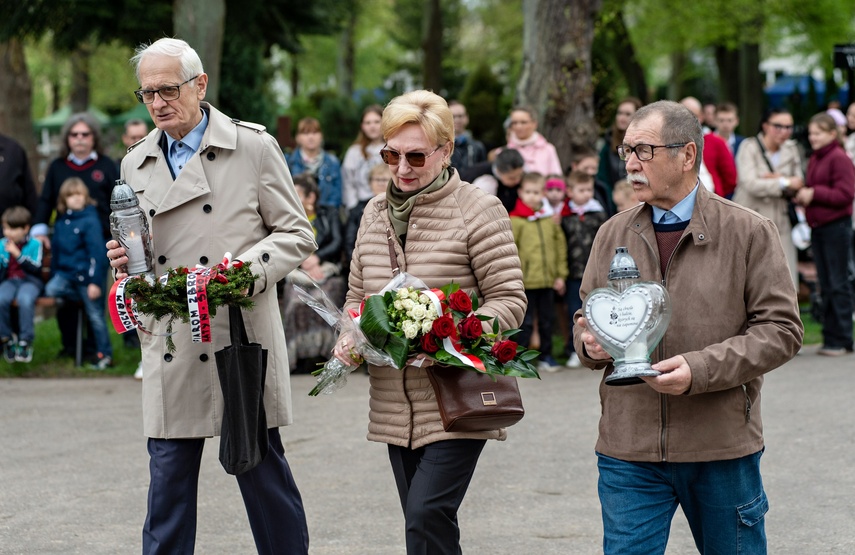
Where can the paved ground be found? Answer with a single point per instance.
(73, 471)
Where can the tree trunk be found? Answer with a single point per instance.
(80, 78)
(347, 55)
(201, 23)
(432, 46)
(678, 68)
(728, 62)
(627, 60)
(15, 118)
(750, 89)
(555, 79)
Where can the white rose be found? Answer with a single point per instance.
(425, 300)
(410, 329)
(403, 293)
(427, 325)
(418, 312)
(414, 296)
(398, 305)
(431, 313)
(408, 304)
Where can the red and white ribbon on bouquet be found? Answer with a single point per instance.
(452, 344)
(125, 318)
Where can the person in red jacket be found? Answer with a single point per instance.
(716, 156)
(827, 197)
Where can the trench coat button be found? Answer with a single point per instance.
(161, 259)
(203, 357)
(151, 213)
(203, 260)
(207, 209)
(211, 156)
(701, 236)
(167, 357)
(265, 257)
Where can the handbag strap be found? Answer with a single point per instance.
(237, 329)
(763, 153)
(393, 257)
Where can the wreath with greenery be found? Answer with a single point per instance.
(167, 298)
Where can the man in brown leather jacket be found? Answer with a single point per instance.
(693, 435)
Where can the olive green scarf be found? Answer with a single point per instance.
(401, 203)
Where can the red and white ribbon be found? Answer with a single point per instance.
(452, 343)
(197, 304)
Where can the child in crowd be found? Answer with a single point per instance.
(326, 260)
(309, 339)
(21, 275)
(588, 161)
(79, 263)
(378, 177)
(584, 218)
(624, 195)
(543, 255)
(556, 194)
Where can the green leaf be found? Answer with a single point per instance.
(474, 299)
(482, 317)
(529, 355)
(375, 322)
(496, 325)
(398, 347)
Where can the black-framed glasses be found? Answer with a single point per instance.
(171, 92)
(414, 159)
(781, 127)
(643, 151)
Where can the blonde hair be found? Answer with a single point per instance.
(428, 110)
(71, 186)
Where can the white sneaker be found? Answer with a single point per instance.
(138, 373)
(544, 366)
(573, 361)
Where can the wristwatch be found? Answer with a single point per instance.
(784, 182)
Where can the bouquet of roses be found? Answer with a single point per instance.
(191, 295)
(407, 319)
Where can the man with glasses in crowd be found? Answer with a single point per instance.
(693, 435)
(210, 184)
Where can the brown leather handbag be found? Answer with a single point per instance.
(468, 400)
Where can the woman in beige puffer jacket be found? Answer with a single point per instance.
(441, 230)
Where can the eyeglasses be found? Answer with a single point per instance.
(80, 134)
(414, 159)
(171, 92)
(781, 127)
(643, 151)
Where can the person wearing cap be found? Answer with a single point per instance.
(693, 435)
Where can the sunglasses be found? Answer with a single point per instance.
(80, 134)
(414, 159)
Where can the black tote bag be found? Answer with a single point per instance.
(242, 367)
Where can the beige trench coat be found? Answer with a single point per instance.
(235, 196)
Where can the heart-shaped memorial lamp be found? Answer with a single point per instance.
(628, 318)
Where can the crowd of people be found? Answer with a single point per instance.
(530, 237)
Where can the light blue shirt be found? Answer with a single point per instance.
(682, 211)
(180, 151)
(80, 161)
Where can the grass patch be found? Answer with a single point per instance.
(46, 363)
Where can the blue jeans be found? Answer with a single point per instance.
(831, 251)
(25, 293)
(59, 286)
(723, 501)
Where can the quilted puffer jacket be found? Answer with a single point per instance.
(457, 233)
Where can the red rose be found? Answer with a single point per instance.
(429, 344)
(504, 351)
(237, 264)
(470, 328)
(443, 326)
(460, 301)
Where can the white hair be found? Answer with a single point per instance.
(191, 65)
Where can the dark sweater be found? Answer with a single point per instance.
(99, 176)
(831, 175)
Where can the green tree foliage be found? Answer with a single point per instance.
(483, 97)
(70, 22)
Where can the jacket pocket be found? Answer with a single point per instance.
(753, 512)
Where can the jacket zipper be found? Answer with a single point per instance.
(543, 250)
(663, 399)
